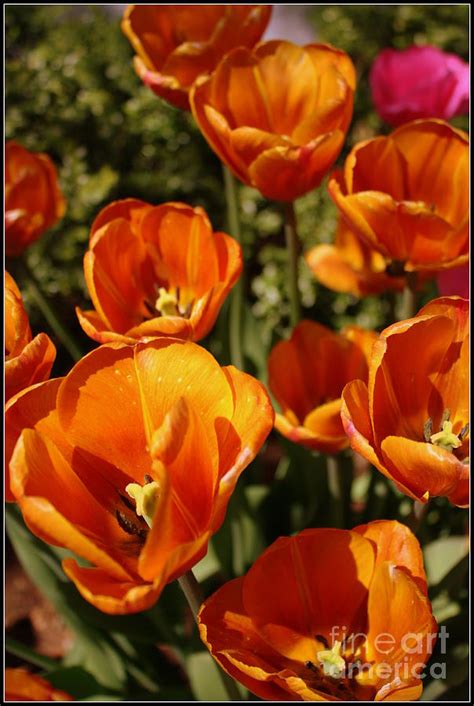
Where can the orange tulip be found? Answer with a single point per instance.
(156, 271)
(327, 615)
(130, 461)
(407, 195)
(277, 116)
(27, 360)
(307, 374)
(176, 44)
(33, 199)
(411, 420)
(351, 265)
(21, 685)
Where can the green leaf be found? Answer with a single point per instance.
(204, 677)
(75, 681)
(442, 555)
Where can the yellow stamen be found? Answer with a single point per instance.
(145, 497)
(445, 438)
(167, 304)
(332, 663)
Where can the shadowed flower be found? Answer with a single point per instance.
(156, 271)
(176, 44)
(27, 360)
(327, 615)
(454, 282)
(389, 196)
(411, 420)
(419, 82)
(351, 265)
(21, 685)
(307, 374)
(277, 116)
(130, 460)
(33, 199)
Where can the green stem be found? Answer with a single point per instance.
(336, 490)
(236, 297)
(51, 317)
(192, 591)
(409, 305)
(417, 516)
(292, 248)
(29, 655)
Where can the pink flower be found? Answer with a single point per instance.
(454, 282)
(419, 82)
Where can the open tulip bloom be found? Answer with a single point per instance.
(327, 615)
(412, 419)
(156, 271)
(407, 196)
(307, 374)
(33, 199)
(130, 460)
(21, 685)
(176, 44)
(277, 116)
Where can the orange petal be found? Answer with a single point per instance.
(228, 633)
(291, 592)
(131, 210)
(34, 407)
(284, 173)
(377, 165)
(395, 410)
(20, 685)
(111, 268)
(421, 466)
(396, 543)
(241, 436)
(433, 147)
(325, 422)
(108, 594)
(32, 365)
(182, 446)
(400, 691)
(40, 480)
(398, 609)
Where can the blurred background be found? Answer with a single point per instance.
(71, 91)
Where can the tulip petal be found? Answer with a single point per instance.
(251, 420)
(32, 365)
(421, 466)
(398, 609)
(284, 173)
(113, 596)
(394, 409)
(396, 543)
(31, 408)
(111, 268)
(291, 593)
(325, 421)
(131, 210)
(39, 470)
(438, 171)
(390, 175)
(183, 447)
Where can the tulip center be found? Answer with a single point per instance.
(331, 661)
(146, 498)
(445, 438)
(170, 303)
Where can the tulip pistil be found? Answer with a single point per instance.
(445, 438)
(167, 303)
(146, 498)
(333, 664)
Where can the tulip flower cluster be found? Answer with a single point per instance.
(129, 460)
